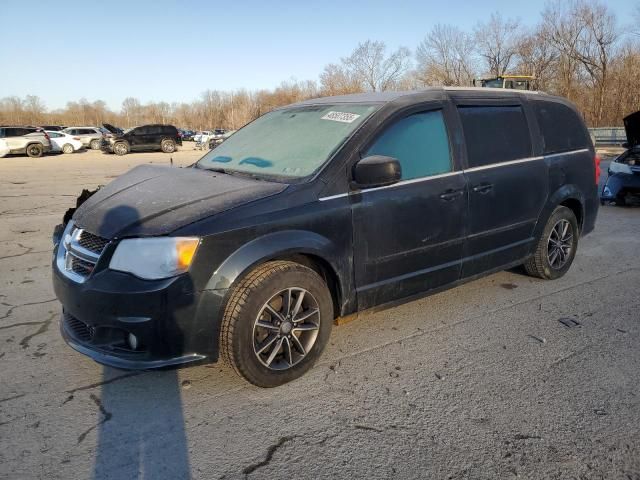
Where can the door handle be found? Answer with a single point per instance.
(483, 188)
(451, 194)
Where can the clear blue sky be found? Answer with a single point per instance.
(173, 51)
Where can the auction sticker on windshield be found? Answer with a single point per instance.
(344, 117)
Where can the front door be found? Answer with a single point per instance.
(508, 186)
(408, 237)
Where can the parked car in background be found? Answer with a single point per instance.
(217, 140)
(187, 135)
(63, 142)
(198, 135)
(30, 140)
(91, 137)
(364, 200)
(143, 138)
(623, 182)
(52, 128)
(4, 147)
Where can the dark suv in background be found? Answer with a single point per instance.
(144, 138)
(364, 200)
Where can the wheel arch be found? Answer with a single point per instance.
(306, 248)
(569, 196)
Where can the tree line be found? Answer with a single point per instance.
(578, 49)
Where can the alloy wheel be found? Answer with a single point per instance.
(286, 328)
(560, 244)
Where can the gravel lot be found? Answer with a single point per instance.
(503, 377)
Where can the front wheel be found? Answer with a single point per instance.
(67, 148)
(120, 148)
(557, 246)
(276, 323)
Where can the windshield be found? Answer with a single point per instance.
(289, 143)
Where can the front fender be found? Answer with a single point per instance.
(280, 244)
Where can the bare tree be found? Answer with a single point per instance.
(446, 57)
(374, 69)
(337, 80)
(537, 57)
(584, 32)
(497, 43)
(131, 109)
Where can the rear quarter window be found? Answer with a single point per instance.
(495, 134)
(561, 127)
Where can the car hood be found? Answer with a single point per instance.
(632, 129)
(156, 200)
(111, 128)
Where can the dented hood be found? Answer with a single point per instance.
(156, 200)
(632, 129)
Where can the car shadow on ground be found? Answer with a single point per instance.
(141, 432)
(141, 429)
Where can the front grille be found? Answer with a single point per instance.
(92, 242)
(78, 329)
(79, 253)
(81, 267)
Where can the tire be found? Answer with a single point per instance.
(168, 146)
(34, 150)
(94, 144)
(243, 335)
(67, 148)
(121, 148)
(544, 264)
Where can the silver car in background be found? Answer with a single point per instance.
(91, 137)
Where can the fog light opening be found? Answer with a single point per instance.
(133, 341)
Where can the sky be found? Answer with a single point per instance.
(174, 50)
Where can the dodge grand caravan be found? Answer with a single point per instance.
(319, 210)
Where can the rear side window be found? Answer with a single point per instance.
(419, 142)
(561, 127)
(495, 134)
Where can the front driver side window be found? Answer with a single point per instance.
(419, 142)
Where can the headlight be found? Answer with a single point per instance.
(617, 167)
(155, 258)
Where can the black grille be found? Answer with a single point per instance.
(81, 267)
(78, 329)
(92, 242)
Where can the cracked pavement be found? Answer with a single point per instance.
(507, 376)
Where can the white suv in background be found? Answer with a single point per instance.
(91, 137)
(30, 140)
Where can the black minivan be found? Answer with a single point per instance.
(318, 210)
(144, 138)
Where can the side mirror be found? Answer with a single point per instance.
(376, 171)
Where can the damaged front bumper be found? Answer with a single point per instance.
(619, 185)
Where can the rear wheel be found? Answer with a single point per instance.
(35, 150)
(557, 246)
(95, 144)
(276, 323)
(67, 148)
(120, 148)
(168, 146)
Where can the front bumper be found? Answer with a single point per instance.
(172, 323)
(619, 184)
